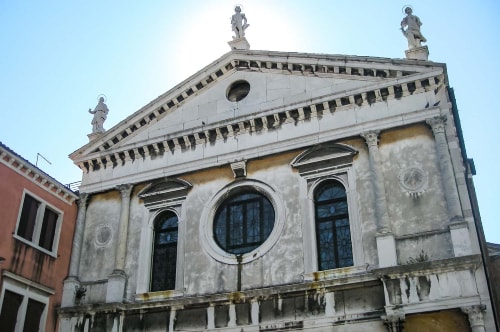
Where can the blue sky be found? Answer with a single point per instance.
(58, 56)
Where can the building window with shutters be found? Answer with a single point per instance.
(23, 304)
(164, 251)
(38, 224)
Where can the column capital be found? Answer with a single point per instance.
(371, 137)
(125, 189)
(394, 321)
(475, 314)
(437, 124)
(82, 201)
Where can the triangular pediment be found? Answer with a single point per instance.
(283, 87)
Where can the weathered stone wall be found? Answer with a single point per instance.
(418, 222)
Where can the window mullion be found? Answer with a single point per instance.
(335, 243)
(245, 223)
(38, 223)
(21, 314)
(261, 219)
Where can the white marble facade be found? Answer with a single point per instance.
(382, 129)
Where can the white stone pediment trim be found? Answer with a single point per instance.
(269, 119)
(366, 68)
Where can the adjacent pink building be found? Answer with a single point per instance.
(37, 221)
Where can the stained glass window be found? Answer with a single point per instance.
(164, 252)
(243, 222)
(333, 234)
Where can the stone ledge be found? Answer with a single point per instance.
(471, 262)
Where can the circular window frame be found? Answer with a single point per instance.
(233, 88)
(208, 217)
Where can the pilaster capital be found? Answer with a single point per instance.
(125, 190)
(394, 321)
(437, 124)
(371, 137)
(82, 201)
(475, 314)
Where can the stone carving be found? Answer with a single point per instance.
(239, 23)
(475, 315)
(100, 114)
(413, 180)
(412, 24)
(103, 236)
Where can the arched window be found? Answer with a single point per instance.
(164, 252)
(243, 222)
(333, 235)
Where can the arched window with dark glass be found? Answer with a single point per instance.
(243, 222)
(164, 251)
(333, 235)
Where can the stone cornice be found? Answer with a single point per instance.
(174, 299)
(276, 62)
(23, 167)
(187, 164)
(268, 119)
(471, 262)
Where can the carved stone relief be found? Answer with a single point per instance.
(103, 236)
(413, 180)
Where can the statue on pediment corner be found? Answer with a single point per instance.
(412, 24)
(100, 114)
(239, 23)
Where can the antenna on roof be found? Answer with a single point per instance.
(38, 154)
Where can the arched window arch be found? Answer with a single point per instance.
(164, 251)
(333, 235)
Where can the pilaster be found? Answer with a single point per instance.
(458, 227)
(125, 190)
(386, 244)
(74, 264)
(117, 280)
(71, 283)
(115, 291)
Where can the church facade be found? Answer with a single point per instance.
(276, 191)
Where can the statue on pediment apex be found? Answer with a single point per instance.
(239, 23)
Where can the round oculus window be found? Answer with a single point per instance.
(243, 222)
(238, 91)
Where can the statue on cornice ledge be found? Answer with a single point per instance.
(100, 114)
(239, 23)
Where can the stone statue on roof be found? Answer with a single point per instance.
(100, 114)
(239, 23)
(412, 24)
